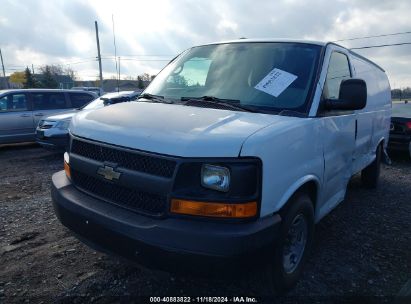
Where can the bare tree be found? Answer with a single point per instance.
(71, 73)
(53, 69)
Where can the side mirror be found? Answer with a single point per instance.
(353, 96)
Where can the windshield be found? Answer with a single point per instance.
(269, 76)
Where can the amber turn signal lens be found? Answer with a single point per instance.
(242, 210)
(67, 169)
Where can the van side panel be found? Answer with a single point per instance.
(291, 156)
(374, 120)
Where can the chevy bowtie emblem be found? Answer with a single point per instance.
(108, 173)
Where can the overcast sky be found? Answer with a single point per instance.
(151, 32)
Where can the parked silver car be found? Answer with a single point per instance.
(52, 132)
(96, 90)
(21, 110)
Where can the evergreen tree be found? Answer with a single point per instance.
(140, 82)
(48, 80)
(30, 81)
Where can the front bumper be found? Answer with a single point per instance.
(112, 229)
(51, 141)
(399, 142)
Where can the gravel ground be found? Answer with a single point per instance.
(361, 252)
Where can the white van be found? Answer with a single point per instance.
(236, 149)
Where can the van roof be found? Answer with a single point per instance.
(321, 43)
(303, 41)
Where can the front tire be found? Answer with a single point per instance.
(294, 243)
(370, 175)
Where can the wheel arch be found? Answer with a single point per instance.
(309, 184)
(382, 141)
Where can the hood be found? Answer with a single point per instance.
(62, 116)
(171, 129)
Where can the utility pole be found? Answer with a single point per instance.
(115, 51)
(99, 57)
(4, 71)
(119, 73)
(32, 68)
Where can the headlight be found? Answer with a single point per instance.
(215, 177)
(67, 164)
(46, 124)
(63, 124)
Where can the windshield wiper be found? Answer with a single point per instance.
(292, 113)
(154, 98)
(232, 103)
(114, 100)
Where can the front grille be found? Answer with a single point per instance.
(140, 201)
(131, 160)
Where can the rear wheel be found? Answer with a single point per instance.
(291, 250)
(370, 175)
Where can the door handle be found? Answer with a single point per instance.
(25, 115)
(356, 128)
(39, 114)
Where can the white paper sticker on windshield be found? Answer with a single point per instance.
(276, 82)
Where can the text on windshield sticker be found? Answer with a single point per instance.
(276, 82)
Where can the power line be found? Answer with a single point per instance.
(141, 55)
(172, 56)
(16, 67)
(380, 45)
(79, 62)
(374, 36)
(11, 66)
(132, 59)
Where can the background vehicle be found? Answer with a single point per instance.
(21, 110)
(400, 129)
(52, 132)
(96, 90)
(235, 150)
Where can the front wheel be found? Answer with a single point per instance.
(292, 248)
(370, 175)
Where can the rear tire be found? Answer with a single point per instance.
(293, 245)
(370, 175)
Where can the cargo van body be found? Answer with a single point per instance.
(234, 149)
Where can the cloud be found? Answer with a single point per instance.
(41, 31)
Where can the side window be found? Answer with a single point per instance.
(13, 102)
(192, 74)
(48, 101)
(80, 99)
(338, 70)
(3, 103)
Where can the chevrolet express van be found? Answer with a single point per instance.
(236, 149)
